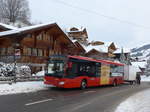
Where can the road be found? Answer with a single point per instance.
(97, 99)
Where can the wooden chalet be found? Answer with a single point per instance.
(100, 51)
(34, 44)
(78, 34)
(97, 54)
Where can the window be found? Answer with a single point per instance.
(40, 52)
(88, 69)
(45, 53)
(98, 69)
(40, 37)
(50, 38)
(2, 51)
(29, 51)
(34, 52)
(56, 68)
(50, 52)
(10, 51)
(47, 36)
(50, 68)
(116, 70)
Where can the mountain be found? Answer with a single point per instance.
(142, 53)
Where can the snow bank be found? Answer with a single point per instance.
(22, 87)
(139, 102)
(40, 73)
(145, 78)
(7, 70)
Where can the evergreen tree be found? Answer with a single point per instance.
(147, 70)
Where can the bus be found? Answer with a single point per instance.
(82, 72)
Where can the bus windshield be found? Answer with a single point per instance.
(56, 68)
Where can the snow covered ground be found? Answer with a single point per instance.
(139, 102)
(145, 78)
(25, 87)
(22, 87)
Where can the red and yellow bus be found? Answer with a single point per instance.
(82, 72)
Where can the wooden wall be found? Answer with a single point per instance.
(36, 46)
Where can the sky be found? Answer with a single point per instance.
(125, 22)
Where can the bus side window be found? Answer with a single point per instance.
(98, 69)
(72, 70)
(116, 70)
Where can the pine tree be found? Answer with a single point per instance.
(122, 57)
(147, 70)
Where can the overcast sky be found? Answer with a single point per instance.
(87, 13)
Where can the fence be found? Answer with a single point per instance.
(5, 80)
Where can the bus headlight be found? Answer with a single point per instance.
(61, 83)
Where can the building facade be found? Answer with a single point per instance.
(34, 44)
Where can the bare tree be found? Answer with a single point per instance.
(14, 10)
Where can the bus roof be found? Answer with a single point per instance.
(95, 60)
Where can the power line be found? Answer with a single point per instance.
(102, 15)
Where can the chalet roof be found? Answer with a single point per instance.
(7, 27)
(10, 32)
(97, 48)
(74, 29)
(104, 48)
(100, 48)
(25, 29)
(78, 44)
(35, 27)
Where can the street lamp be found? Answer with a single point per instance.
(16, 53)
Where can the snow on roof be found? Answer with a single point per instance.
(10, 32)
(101, 48)
(107, 44)
(34, 27)
(73, 40)
(19, 30)
(125, 50)
(8, 26)
(141, 64)
(79, 29)
(104, 48)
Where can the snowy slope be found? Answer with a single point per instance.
(142, 52)
(145, 78)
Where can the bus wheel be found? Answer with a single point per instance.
(83, 84)
(115, 83)
(131, 83)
